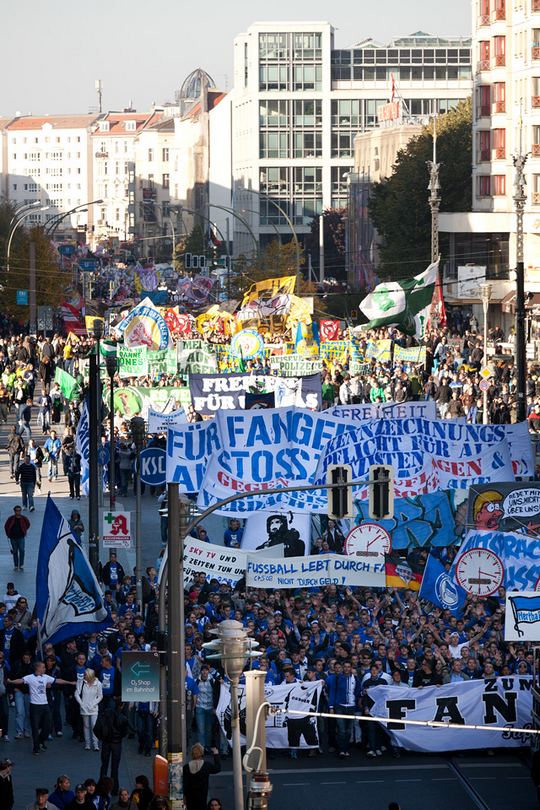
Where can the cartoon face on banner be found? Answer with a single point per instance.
(247, 344)
(505, 507)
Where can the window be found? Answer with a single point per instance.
(484, 150)
(131, 126)
(165, 180)
(150, 155)
(272, 46)
(535, 189)
(483, 103)
(307, 144)
(274, 114)
(499, 185)
(499, 143)
(484, 56)
(165, 154)
(14, 186)
(483, 185)
(307, 77)
(14, 156)
(274, 144)
(484, 12)
(499, 96)
(273, 77)
(104, 126)
(499, 48)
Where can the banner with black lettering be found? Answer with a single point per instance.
(283, 730)
(314, 571)
(502, 702)
(211, 393)
(224, 564)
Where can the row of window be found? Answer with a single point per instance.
(164, 155)
(491, 144)
(488, 49)
(285, 46)
(36, 157)
(402, 56)
(494, 185)
(290, 77)
(44, 139)
(414, 74)
(300, 113)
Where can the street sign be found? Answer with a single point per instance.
(484, 385)
(88, 264)
(22, 298)
(153, 466)
(140, 676)
(485, 373)
(116, 529)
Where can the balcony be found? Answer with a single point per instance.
(484, 111)
(500, 13)
(500, 106)
(535, 101)
(535, 150)
(535, 6)
(535, 197)
(500, 153)
(484, 155)
(535, 53)
(484, 19)
(483, 64)
(500, 60)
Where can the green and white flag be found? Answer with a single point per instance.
(404, 304)
(68, 384)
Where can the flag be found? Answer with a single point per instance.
(401, 574)
(439, 588)
(404, 304)
(89, 321)
(271, 287)
(68, 384)
(145, 326)
(69, 600)
(82, 445)
(329, 329)
(526, 610)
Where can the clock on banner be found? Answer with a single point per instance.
(480, 572)
(368, 540)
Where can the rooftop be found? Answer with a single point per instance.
(55, 121)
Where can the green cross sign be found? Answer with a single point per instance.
(109, 518)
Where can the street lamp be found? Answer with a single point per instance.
(485, 293)
(94, 422)
(110, 364)
(234, 649)
(53, 224)
(138, 433)
(17, 220)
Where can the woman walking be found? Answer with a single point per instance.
(196, 777)
(89, 696)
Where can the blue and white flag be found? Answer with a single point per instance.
(82, 445)
(440, 588)
(487, 561)
(69, 600)
(522, 617)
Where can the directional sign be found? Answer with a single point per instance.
(153, 464)
(22, 298)
(140, 676)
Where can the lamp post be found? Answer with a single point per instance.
(15, 222)
(110, 363)
(94, 412)
(53, 224)
(138, 433)
(485, 292)
(520, 198)
(234, 649)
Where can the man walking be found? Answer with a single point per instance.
(26, 476)
(7, 800)
(15, 447)
(52, 449)
(16, 528)
(111, 728)
(40, 713)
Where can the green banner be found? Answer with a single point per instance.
(132, 362)
(295, 365)
(68, 384)
(136, 400)
(162, 362)
(195, 357)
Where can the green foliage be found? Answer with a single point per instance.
(399, 205)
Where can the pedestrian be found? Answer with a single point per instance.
(25, 419)
(15, 448)
(16, 528)
(196, 775)
(52, 449)
(142, 795)
(124, 801)
(5, 402)
(81, 800)
(40, 713)
(214, 804)
(111, 728)
(26, 477)
(89, 697)
(21, 668)
(7, 799)
(42, 800)
(76, 525)
(74, 474)
(112, 572)
(36, 458)
(44, 412)
(62, 794)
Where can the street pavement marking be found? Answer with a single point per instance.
(359, 768)
(296, 784)
(443, 779)
(408, 780)
(369, 781)
(333, 783)
(484, 778)
(490, 764)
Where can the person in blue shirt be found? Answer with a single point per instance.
(108, 676)
(52, 448)
(232, 537)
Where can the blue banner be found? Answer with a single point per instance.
(69, 601)
(420, 521)
(487, 561)
(440, 589)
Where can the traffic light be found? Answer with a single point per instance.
(381, 492)
(340, 497)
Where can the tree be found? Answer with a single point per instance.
(399, 206)
(334, 243)
(51, 281)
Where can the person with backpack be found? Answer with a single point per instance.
(111, 727)
(16, 528)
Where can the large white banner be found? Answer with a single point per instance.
(389, 410)
(504, 702)
(522, 616)
(161, 422)
(189, 448)
(291, 531)
(283, 730)
(314, 572)
(224, 564)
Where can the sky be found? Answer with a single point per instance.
(143, 49)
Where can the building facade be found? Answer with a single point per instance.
(48, 159)
(298, 103)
